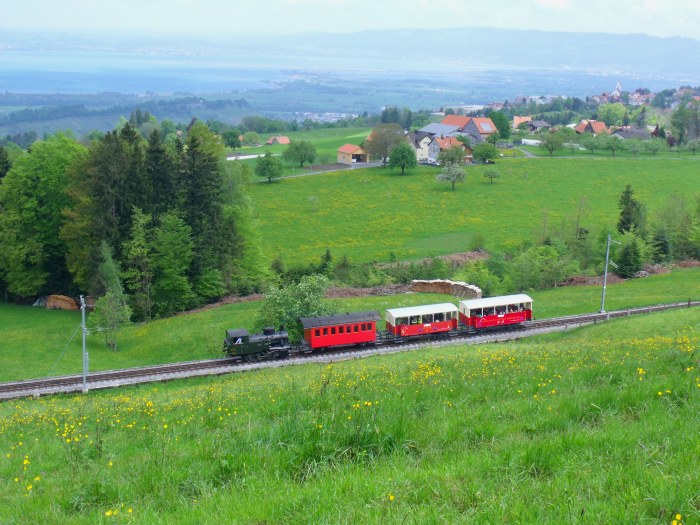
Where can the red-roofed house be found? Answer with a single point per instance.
(478, 129)
(439, 144)
(597, 127)
(351, 154)
(520, 120)
(278, 139)
(455, 120)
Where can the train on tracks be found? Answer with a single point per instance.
(359, 329)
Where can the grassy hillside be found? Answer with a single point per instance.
(36, 342)
(594, 426)
(370, 214)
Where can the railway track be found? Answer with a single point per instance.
(148, 374)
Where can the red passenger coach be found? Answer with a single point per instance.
(421, 320)
(340, 330)
(495, 311)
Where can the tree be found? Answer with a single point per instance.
(232, 138)
(403, 156)
(611, 114)
(138, 272)
(452, 173)
(111, 310)
(552, 142)
(502, 123)
(491, 174)
(251, 138)
(4, 163)
(612, 143)
(590, 142)
(485, 153)
(382, 139)
(632, 213)
(159, 167)
(32, 197)
(284, 306)
(301, 152)
(653, 146)
(268, 167)
(203, 191)
(630, 260)
(172, 255)
(453, 155)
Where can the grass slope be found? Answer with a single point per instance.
(36, 341)
(595, 426)
(369, 214)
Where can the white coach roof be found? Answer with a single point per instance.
(494, 301)
(425, 309)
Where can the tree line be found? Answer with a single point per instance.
(173, 216)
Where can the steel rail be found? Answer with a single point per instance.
(218, 366)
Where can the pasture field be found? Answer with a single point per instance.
(37, 342)
(377, 214)
(326, 141)
(598, 425)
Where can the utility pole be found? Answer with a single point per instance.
(85, 354)
(605, 275)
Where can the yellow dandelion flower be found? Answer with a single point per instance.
(108, 513)
(678, 517)
(391, 497)
(110, 464)
(37, 478)
(29, 487)
(130, 510)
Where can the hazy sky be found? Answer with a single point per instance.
(654, 17)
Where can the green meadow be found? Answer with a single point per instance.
(378, 215)
(597, 425)
(39, 342)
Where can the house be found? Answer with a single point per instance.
(351, 154)
(627, 132)
(435, 128)
(596, 127)
(538, 125)
(420, 140)
(278, 139)
(521, 120)
(478, 129)
(438, 144)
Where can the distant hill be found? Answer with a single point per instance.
(280, 76)
(486, 48)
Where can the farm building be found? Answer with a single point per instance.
(278, 139)
(351, 154)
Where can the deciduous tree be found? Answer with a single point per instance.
(452, 173)
(32, 196)
(453, 155)
(284, 306)
(268, 167)
(382, 140)
(485, 152)
(301, 152)
(403, 156)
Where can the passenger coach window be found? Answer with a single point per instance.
(325, 331)
(318, 332)
(333, 330)
(340, 330)
(357, 327)
(439, 317)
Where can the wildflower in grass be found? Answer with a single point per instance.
(391, 497)
(110, 464)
